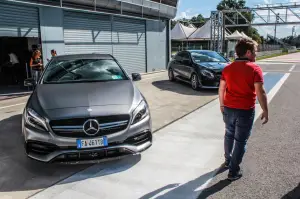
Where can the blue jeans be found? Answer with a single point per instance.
(238, 126)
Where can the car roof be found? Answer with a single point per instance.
(83, 56)
(201, 51)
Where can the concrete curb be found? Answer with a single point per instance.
(149, 73)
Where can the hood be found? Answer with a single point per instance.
(213, 65)
(86, 99)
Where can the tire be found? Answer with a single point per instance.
(195, 82)
(171, 75)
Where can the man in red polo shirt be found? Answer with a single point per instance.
(240, 83)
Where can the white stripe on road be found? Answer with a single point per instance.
(292, 68)
(3, 107)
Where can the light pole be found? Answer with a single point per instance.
(293, 31)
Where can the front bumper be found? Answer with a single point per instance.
(48, 147)
(212, 83)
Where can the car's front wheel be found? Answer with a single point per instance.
(195, 82)
(171, 74)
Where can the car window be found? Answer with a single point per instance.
(178, 57)
(208, 56)
(185, 56)
(83, 70)
(182, 56)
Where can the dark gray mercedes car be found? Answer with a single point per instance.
(85, 108)
(200, 68)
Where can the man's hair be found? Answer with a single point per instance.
(243, 46)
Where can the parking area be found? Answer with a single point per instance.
(169, 101)
(22, 177)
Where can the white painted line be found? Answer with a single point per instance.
(292, 68)
(3, 107)
(271, 94)
(272, 63)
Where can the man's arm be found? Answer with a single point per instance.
(263, 101)
(222, 88)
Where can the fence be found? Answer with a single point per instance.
(268, 47)
(260, 48)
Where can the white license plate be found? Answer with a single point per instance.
(91, 143)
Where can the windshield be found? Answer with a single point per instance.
(83, 70)
(207, 57)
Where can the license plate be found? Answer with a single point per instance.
(91, 143)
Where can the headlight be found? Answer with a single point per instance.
(207, 73)
(140, 112)
(33, 119)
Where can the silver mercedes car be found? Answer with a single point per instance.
(85, 108)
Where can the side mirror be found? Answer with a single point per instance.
(136, 76)
(29, 82)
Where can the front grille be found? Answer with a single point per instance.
(95, 155)
(74, 127)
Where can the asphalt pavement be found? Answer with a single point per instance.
(271, 165)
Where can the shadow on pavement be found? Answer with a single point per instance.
(214, 189)
(185, 190)
(19, 173)
(182, 88)
(294, 194)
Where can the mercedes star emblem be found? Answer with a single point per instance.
(91, 127)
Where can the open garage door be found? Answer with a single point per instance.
(87, 33)
(129, 44)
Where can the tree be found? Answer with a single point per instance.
(240, 4)
(197, 21)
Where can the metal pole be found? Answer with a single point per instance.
(27, 74)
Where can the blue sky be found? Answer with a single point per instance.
(190, 8)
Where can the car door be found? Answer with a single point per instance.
(186, 66)
(177, 64)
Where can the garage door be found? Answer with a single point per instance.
(87, 33)
(18, 21)
(129, 44)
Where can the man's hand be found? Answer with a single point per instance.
(222, 109)
(265, 116)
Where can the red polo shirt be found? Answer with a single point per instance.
(240, 77)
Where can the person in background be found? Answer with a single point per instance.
(53, 54)
(36, 65)
(15, 67)
(240, 83)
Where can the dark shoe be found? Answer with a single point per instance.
(235, 176)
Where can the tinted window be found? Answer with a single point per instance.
(178, 57)
(207, 56)
(182, 56)
(185, 56)
(83, 70)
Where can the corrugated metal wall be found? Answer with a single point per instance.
(129, 44)
(18, 21)
(123, 38)
(87, 33)
(156, 45)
